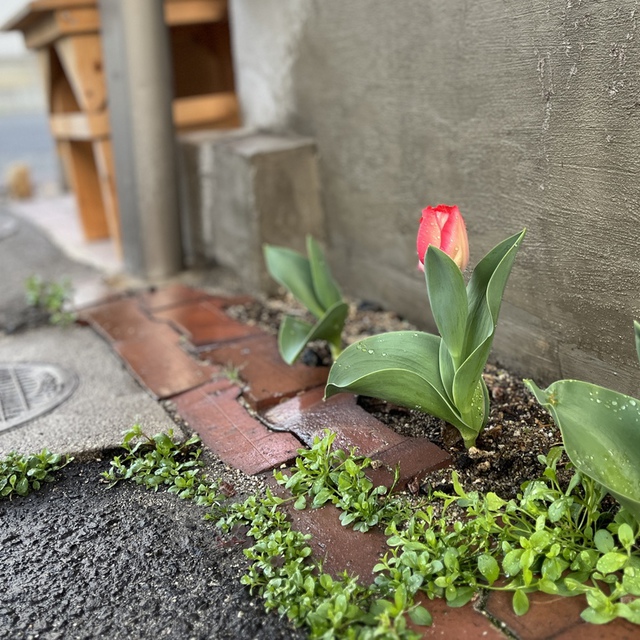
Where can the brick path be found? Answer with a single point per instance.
(180, 345)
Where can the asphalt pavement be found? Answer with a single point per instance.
(80, 560)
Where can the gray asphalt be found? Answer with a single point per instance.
(80, 560)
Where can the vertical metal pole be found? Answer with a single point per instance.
(138, 69)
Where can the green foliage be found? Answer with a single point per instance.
(549, 539)
(441, 376)
(159, 461)
(552, 539)
(323, 475)
(294, 585)
(600, 429)
(51, 297)
(21, 474)
(311, 283)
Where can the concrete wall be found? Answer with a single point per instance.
(522, 113)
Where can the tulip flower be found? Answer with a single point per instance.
(441, 375)
(443, 227)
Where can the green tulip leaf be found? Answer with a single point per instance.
(447, 370)
(294, 334)
(636, 330)
(601, 431)
(400, 367)
(293, 271)
(325, 287)
(448, 298)
(485, 291)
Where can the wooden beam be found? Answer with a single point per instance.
(79, 125)
(207, 110)
(179, 12)
(81, 57)
(52, 25)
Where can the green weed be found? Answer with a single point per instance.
(21, 474)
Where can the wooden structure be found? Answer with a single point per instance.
(66, 35)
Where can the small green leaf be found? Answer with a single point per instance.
(604, 541)
(611, 562)
(520, 602)
(421, 616)
(488, 567)
(301, 503)
(625, 535)
(636, 330)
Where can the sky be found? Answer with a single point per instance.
(11, 44)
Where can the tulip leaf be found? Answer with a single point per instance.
(447, 370)
(294, 333)
(325, 287)
(448, 298)
(485, 291)
(636, 330)
(293, 271)
(399, 367)
(601, 431)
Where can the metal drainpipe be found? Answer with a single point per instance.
(140, 88)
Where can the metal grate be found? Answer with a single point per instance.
(28, 390)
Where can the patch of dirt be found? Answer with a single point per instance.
(507, 450)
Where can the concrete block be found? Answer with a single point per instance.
(244, 188)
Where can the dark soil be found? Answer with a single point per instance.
(507, 450)
(80, 560)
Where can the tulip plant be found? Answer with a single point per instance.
(440, 375)
(601, 433)
(311, 283)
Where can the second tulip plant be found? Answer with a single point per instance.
(440, 375)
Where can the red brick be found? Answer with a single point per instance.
(308, 415)
(204, 324)
(159, 363)
(229, 431)
(547, 616)
(462, 623)
(177, 294)
(120, 319)
(619, 629)
(269, 378)
(340, 548)
(416, 458)
(170, 296)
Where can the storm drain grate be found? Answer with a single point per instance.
(27, 390)
(8, 226)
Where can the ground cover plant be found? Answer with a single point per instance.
(50, 297)
(562, 540)
(20, 474)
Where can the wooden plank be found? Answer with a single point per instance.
(79, 125)
(80, 169)
(180, 12)
(103, 153)
(207, 110)
(52, 25)
(81, 57)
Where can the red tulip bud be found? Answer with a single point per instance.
(443, 227)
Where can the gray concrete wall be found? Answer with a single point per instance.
(522, 113)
